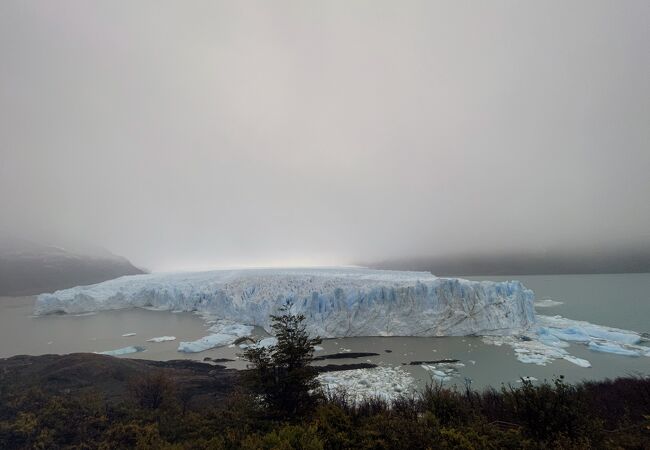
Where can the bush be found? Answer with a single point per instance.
(290, 437)
(548, 415)
(549, 411)
(152, 391)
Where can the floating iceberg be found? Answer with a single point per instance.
(337, 302)
(206, 343)
(613, 347)
(128, 334)
(162, 339)
(123, 351)
(443, 371)
(584, 332)
(547, 303)
(577, 361)
(223, 334)
(548, 339)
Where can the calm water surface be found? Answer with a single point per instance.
(617, 300)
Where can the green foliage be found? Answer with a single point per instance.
(543, 416)
(289, 437)
(281, 374)
(152, 391)
(334, 426)
(447, 405)
(551, 410)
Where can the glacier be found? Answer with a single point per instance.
(344, 302)
(337, 302)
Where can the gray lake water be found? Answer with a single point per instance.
(621, 301)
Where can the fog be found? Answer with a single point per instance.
(212, 134)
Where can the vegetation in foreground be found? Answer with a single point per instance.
(610, 414)
(275, 406)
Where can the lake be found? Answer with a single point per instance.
(621, 300)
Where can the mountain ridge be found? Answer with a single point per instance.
(29, 268)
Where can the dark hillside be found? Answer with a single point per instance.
(28, 268)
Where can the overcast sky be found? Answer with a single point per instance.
(191, 134)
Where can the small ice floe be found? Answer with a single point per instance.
(547, 303)
(123, 351)
(577, 361)
(224, 333)
(155, 308)
(318, 348)
(387, 383)
(162, 339)
(128, 334)
(471, 361)
(50, 342)
(443, 371)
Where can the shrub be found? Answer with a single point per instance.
(549, 411)
(290, 437)
(152, 391)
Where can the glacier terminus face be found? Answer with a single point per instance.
(343, 302)
(337, 302)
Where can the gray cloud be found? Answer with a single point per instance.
(185, 134)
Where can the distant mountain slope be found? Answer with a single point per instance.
(28, 268)
(586, 262)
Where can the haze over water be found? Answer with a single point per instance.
(216, 134)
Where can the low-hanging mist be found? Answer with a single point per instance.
(213, 134)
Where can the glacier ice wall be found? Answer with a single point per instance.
(337, 302)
